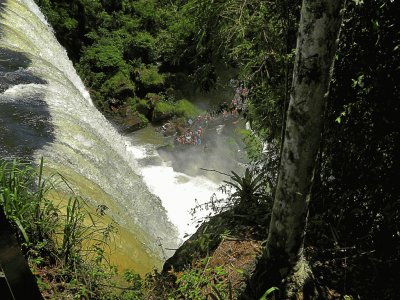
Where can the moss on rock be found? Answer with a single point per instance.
(162, 111)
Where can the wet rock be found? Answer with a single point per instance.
(128, 120)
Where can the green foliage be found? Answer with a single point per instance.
(114, 45)
(106, 57)
(263, 111)
(52, 238)
(186, 109)
(141, 105)
(149, 75)
(119, 86)
(135, 290)
(269, 294)
(24, 203)
(249, 190)
(246, 201)
(143, 44)
(163, 110)
(172, 40)
(143, 120)
(253, 144)
(202, 283)
(256, 40)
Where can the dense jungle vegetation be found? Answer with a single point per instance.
(134, 56)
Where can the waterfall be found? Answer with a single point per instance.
(46, 111)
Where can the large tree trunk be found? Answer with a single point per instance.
(316, 45)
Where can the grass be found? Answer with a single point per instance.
(22, 195)
(65, 243)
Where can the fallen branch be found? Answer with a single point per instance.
(222, 173)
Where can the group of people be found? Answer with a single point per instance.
(238, 103)
(191, 137)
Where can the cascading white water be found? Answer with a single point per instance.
(74, 138)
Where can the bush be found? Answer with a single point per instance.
(104, 57)
(141, 105)
(253, 144)
(186, 109)
(149, 76)
(143, 45)
(202, 282)
(143, 120)
(163, 110)
(118, 86)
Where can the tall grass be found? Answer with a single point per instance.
(22, 191)
(69, 234)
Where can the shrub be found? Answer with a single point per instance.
(140, 105)
(186, 109)
(104, 57)
(202, 282)
(253, 144)
(149, 76)
(163, 110)
(144, 45)
(119, 85)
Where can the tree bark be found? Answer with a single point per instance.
(316, 45)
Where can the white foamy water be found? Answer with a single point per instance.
(178, 197)
(179, 192)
